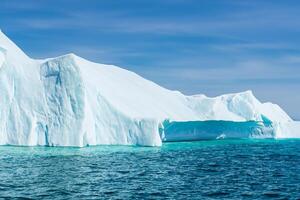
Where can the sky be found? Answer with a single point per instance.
(194, 46)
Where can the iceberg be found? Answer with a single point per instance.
(70, 101)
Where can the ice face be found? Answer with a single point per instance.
(2, 56)
(205, 130)
(69, 101)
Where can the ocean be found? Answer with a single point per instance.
(216, 169)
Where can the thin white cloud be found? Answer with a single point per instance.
(228, 23)
(238, 47)
(276, 69)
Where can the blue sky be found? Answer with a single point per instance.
(194, 46)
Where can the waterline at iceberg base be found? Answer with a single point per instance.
(70, 101)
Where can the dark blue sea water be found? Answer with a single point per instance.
(224, 169)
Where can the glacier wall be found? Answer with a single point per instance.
(69, 101)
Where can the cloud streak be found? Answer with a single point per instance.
(270, 17)
(194, 46)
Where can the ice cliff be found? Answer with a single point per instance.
(70, 101)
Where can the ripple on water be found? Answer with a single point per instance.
(227, 169)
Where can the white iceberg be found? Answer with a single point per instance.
(70, 101)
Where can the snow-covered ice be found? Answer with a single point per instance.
(70, 101)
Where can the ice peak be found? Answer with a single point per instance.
(4, 40)
(72, 56)
(248, 92)
(13, 52)
(69, 56)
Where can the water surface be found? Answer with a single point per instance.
(223, 169)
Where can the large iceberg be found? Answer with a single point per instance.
(70, 101)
